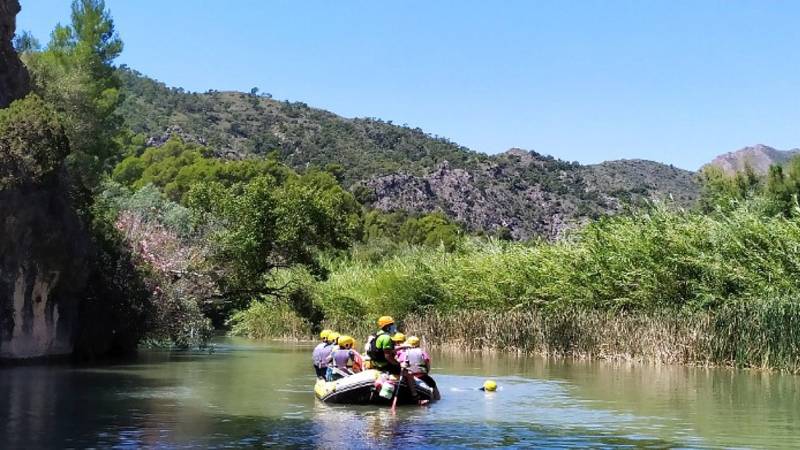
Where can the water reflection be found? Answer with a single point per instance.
(254, 395)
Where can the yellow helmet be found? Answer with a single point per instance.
(412, 341)
(324, 334)
(398, 337)
(385, 320)
(346, 340)
(333, 336)
(489, 386)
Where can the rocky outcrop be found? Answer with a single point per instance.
(174, 131)
(758, 157)
(43, 252)
(528, 194)
(14, 81)
(490, 199)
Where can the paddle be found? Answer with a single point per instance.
(397, 390)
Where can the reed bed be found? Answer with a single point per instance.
(662, 286)
(665, 337)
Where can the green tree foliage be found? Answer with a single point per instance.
(783, 187)
(74, 73)
(432, 230)
(176, 166)
(266, 225)
(723, 191)
(32, 142)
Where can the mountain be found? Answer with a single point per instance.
(397, 167)
(758, 157)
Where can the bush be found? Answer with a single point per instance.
(32, 143)
(269, 318)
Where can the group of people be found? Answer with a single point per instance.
(388, 351)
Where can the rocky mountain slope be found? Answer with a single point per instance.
(396, 167)
(758, 157)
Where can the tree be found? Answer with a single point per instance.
(75, 74)
(720, 190)
(433, 230)
(264, 226)
(783, 186)
(32, 143)
(25, 42)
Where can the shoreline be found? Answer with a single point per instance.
(738, 337)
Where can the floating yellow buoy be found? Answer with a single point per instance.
(489, 386)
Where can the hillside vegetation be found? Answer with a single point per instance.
(393, 167)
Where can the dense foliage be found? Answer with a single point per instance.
(265, 225)
(32, 143)
(176, 166)
(731, 263)
(74, 74)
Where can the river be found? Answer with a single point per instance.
(247, 394)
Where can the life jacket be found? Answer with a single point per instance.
(416, 360)
(358, 363)
(325, 354)
(320, 355)
(341, 357)
(376, 354)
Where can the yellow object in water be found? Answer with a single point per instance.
(489, 386)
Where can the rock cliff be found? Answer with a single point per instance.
(13, 77)
(43, 252)
(59, 287)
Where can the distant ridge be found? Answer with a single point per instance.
(391, 167)
(759, 157)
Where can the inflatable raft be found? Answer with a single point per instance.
(362, 389)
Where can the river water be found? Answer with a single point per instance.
(254, 394)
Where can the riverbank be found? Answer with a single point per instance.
(742, 336)
(660, 285)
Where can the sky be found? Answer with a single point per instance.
(672, 81)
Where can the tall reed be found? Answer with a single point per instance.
(659, 285)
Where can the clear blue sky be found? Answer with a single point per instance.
(672, 81)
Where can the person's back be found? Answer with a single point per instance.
(417, 359)
(342, 358)
(418, 363)
(320, 353)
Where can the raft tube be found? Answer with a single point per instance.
(359, 389)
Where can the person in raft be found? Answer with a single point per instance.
(418, 363)
(333, 341)
(319, 356)
(382, 353)
(344, 360)
(377, 356)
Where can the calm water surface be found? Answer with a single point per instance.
(254, 394)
